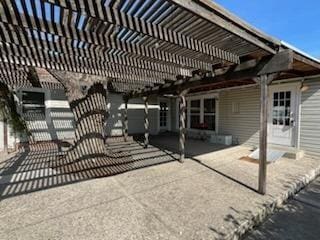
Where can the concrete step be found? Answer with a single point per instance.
(291, 152)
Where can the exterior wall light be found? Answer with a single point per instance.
(304, 87)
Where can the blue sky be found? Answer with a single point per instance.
(294, 21)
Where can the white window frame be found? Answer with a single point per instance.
(46, 93)
(200, 97)
(168, 127)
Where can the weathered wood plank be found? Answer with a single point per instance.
(282, 61)
(263, 134)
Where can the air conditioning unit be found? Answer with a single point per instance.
(221, 139)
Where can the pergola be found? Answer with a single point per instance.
(141, 48)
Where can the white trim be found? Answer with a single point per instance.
(298, 131)
(297, 102)
(295, 79)
(201, 98)
(47, 98)
(217, 91)
(288, 45)
(167, 100)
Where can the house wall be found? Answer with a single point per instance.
(243, 124)
(58, 123)
(11, 137)
(135, 115)
(310, 118)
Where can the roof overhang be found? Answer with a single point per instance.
(133, 44)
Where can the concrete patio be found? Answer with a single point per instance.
(211, 195)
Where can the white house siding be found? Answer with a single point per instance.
(135, 115)
(310, 118)
(59, 121)
(11, 138)
(174, 115)
(243, 125)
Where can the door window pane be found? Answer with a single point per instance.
(163, 114)
(281, 108)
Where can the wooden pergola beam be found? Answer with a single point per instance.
(248, 70)
(205, 10)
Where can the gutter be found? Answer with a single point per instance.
(299, 51)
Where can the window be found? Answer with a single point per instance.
(163, 114)
(33, 104)
(281, 108)
(202, 113)
(209, 110)
(195, 113)
(235, 107)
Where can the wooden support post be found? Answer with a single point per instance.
(125, 134)
(263, 134)
(182, 128)
(5, 136)
(105, 120)
(146, 122)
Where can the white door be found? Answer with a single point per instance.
(282, 115)
(164, 117)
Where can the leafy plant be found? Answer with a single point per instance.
(8, 110)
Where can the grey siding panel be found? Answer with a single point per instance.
(11, 138)
(135, 115)
(310, 118)
(59, 120)
(244, 125)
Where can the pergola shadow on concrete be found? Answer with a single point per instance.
(138, 48)
(165, 201)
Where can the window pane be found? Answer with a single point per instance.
(33, 106)
(195, 106)
(163, 114)
(33, 98)
(209, 105)
(288, 95)
(194, 121)
(209, 122)
(281, 95)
